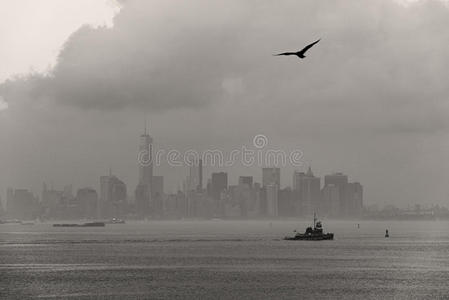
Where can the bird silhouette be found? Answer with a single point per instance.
(300, 53)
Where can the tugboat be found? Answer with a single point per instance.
(312, 234)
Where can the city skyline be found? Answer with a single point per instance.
(218, 198)
(145, 165)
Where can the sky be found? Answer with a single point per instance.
(79, 78)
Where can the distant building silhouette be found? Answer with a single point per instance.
(157, 196)
(53, 203)
(272, 192)
(331, 199)
(143, 192)
(246, 180)
(219, 184)
(271, 175)
(354, 200)
(349, 202)
(286, 203)
(87, 199)
(307, 192)
(113, 197)
(340, 181)
(194, 180)
(21, 204)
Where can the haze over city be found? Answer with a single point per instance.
(370, 99)
(224, 149)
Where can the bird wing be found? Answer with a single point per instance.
(308, 47)
(285, 53)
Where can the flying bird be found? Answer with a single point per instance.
(300, 53)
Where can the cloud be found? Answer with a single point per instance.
(156, 56)
(164, 55)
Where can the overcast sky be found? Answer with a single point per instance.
(370, 100)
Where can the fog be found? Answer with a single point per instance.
(370, 100)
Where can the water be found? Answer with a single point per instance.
(225, 260)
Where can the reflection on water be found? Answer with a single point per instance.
(225, 259)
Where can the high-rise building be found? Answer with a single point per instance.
(68, 192)
(350, 196)
(158, 195)
(158, 185)
(219, 183)
(307, 192)
(297, 179)
(146, 158)
(248, 180)
(354, 200)
(113, 196)
(270, 176)
(87, 199)
(195, 179)
(257, 208)
(112, 189)
(143, 192)
(218, 187)
(272, 191)
(341, 181)
(312, 193)
(141, 200)
(286, 206)
(53, 203)
(331, 199)
(200, 175)
(244, 197)
(21, 204)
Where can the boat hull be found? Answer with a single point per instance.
(308, 237)
(92, 224)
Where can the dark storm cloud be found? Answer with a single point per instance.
(168, 55)
(154, 57)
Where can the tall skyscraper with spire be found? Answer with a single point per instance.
(143, 193)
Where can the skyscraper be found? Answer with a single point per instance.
(286, 206)
(88, 202)
(158, 195)
(297, 179)
(113, 196)
(143, 192)
(272, 199)
(248, 180)
(146, 158)
(200, 175)
(331, 199)
(195, 179)
(307, 192)
(21, 204)
(246, 196)
(271, 175)
(354, 200)
(340, 181)
(53, 202)
(219, 185)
